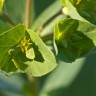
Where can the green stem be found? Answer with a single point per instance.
(27, 24)
(35, 87)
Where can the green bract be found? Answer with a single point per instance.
(44, 60)
(8, 40)
(81, 9)
(19, 54)
(73, 39)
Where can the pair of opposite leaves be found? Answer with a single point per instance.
(34, 67)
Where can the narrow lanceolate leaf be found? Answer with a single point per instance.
(1, 4)
(8, 40)
(44, 60)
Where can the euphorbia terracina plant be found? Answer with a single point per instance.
(22, 49)
(47, 47)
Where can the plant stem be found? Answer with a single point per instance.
(27, 24)
(35, 87)
(27, 13)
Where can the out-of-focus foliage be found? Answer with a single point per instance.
(14, 85)
(15, 9)
(75, 79)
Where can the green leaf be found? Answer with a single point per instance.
(71, 11)
(81, 10)
(44, 61)
(92, 36)
(87, 8)
(14, 85)
(89, 30)
(71, 40)
(30, 53)
(8, 40)
(4, 26)
(62, 28)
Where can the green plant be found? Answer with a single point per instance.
(34, 43)
(24, 51)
